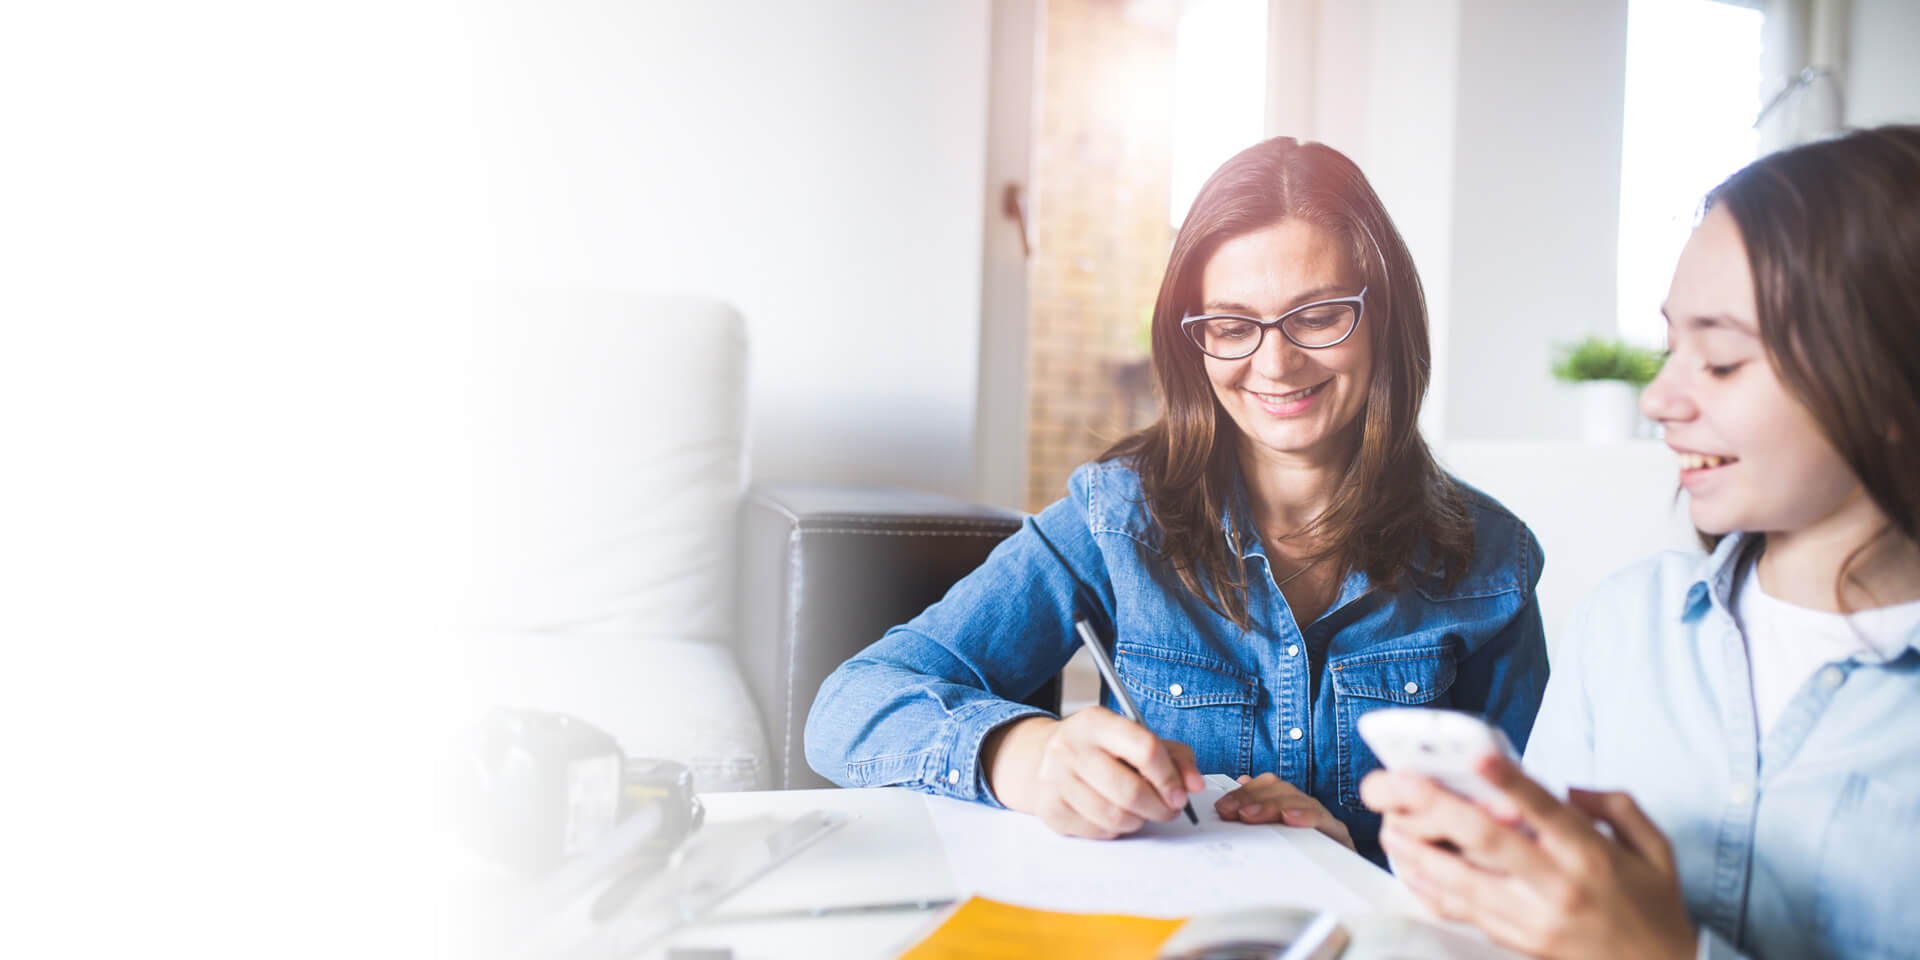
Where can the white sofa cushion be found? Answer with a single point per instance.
(609, 430)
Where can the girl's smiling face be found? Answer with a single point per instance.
(1751, 456)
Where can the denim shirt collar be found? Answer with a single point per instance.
(1715, 579)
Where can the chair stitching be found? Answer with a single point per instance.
(1002, 534)
(793, 627)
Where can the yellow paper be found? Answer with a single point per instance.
(985, 929)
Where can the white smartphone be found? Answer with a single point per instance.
(1441, 744)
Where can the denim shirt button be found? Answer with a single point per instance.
(953, 777)
(1293, 649)
(1174, 689)
(1832, 677)
(1295, 733)
(1412, 687)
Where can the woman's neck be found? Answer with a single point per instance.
(1802, 566)
(1287, 492)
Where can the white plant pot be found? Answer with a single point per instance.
(1609, 410)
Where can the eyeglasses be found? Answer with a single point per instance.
(1313, 326)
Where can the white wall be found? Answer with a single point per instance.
(818, 165)
(1883, 74)
(1384, 94)
(1541, 98)
(1491, 130)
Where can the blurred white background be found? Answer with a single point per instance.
(243, 245)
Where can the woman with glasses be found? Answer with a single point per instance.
(1275, 556)
(1729, 753)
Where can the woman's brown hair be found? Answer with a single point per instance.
(1393, 497)
(1832, 231)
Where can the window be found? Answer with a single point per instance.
(1693, 89)
(1219, 91)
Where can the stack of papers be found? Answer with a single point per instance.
(1173, 869)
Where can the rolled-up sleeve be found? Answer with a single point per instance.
(914, 708)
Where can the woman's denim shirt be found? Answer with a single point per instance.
(1804, 844)
(913, 708)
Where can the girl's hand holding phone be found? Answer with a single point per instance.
(1443, 745)
(1535, 873)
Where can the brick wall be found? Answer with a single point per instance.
(1102, 166)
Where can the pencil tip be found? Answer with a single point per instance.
(1190, 817)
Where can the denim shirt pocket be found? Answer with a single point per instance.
(1417, 677)
(1205, 703)
(1860, 907)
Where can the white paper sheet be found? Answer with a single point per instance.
(1170, 869)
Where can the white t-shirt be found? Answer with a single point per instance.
(1787, 643)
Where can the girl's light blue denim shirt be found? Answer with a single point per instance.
(913, 708)
(1806, 844)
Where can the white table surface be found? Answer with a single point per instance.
(890, 853)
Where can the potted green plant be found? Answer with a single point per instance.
(1607, 374)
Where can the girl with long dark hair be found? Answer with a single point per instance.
(1743, 722)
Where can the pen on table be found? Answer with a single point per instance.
(806, 913)
(1105, 665)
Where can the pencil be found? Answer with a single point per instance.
(1105, 665)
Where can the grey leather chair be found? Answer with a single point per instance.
(825, 571)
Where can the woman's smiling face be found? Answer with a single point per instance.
(1750, 455)
(1290, 403)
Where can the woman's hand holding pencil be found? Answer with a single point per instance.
(1094, 774)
